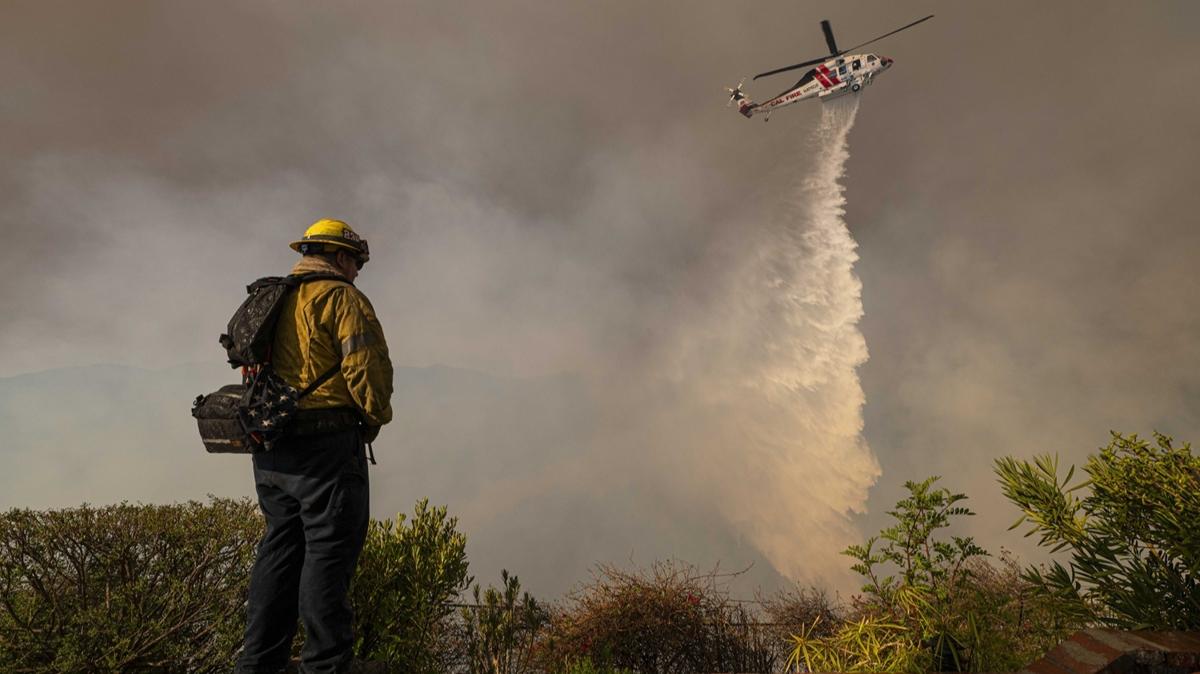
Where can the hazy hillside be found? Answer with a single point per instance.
(515, 459)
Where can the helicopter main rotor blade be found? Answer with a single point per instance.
(798, 65)
(833, 47)
(828, 30)
(884, 35)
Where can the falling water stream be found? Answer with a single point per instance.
(803, 464)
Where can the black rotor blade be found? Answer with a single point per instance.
(829, 38)
(828, 30)
(886, 34)
(798, 65)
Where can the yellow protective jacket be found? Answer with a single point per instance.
(321, 321)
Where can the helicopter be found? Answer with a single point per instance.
(833, 76)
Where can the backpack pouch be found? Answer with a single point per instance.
(221, 428)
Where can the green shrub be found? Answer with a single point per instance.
(932, 603)
(500, 631)
(163, 588)
(1009, 621)
(408, 573)
(1133, 537)
(125, 587)
(929, 570)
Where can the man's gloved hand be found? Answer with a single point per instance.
(369, 433)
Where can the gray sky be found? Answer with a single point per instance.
(558, 188)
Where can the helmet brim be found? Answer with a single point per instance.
(329, 244)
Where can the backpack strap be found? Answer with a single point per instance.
(295, 280)
(325, 376)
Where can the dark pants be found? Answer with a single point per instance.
(314, 493)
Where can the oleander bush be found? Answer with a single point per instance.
(1130, 528)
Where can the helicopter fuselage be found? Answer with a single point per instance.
(834, 78)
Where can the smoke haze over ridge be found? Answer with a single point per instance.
(745, 397)
(557, 189)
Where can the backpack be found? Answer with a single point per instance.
(250, 417)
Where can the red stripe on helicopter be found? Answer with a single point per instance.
(821, 78)
(832, 77)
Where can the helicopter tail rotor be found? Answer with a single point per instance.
(744, 104)
(735, 93)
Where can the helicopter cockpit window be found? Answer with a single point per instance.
(857, 64)
(841, 70)
(871, 58)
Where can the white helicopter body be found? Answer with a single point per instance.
(833, 76)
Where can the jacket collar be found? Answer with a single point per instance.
(311, 264)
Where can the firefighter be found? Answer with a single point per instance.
(313, 487)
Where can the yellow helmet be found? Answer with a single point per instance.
(327, 236)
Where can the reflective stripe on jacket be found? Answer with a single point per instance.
(321, 321)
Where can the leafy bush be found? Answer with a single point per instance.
(125, 587)
(148, 587)
(668, 619)
(932, 603)
(919, 599)
(500, 631)
(1133, 538)
(1010, 621)
(407, 575)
